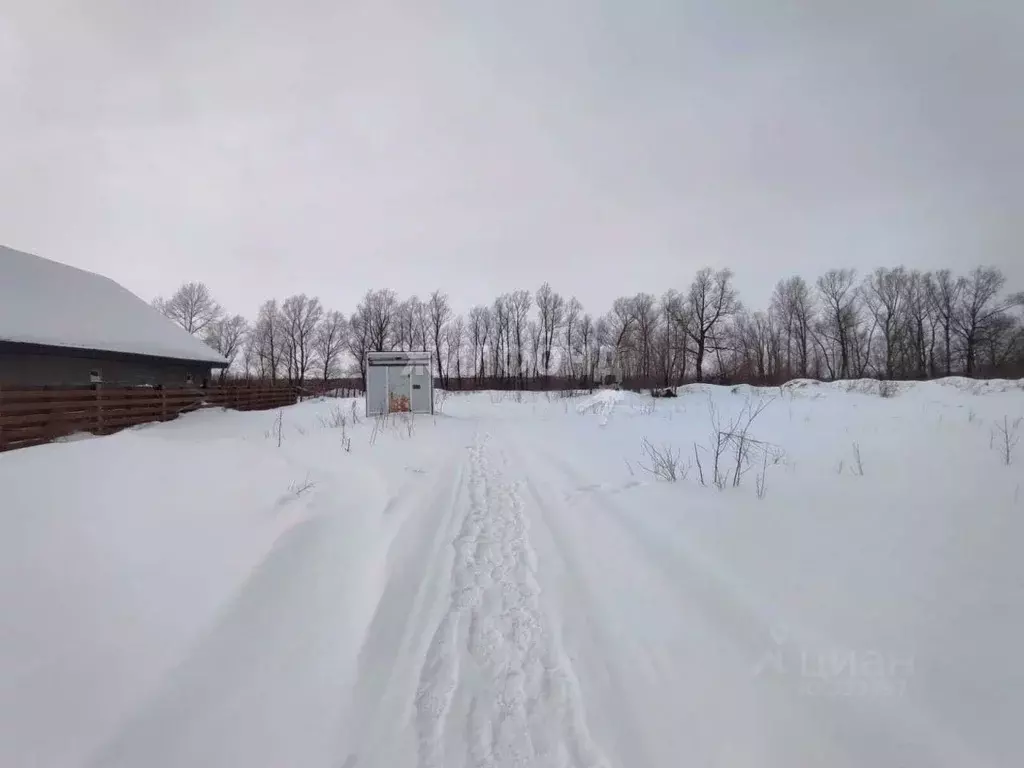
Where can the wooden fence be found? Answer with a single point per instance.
(333, 392)
(34, 416)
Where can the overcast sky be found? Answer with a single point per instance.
(269, 147)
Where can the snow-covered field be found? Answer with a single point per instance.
(505, 584)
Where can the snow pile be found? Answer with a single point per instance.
(982, 386)
(874, 387)
(125, 557)
(893, 388)
(506, 584)
(45, 302)
(602, 402)
(801, 384)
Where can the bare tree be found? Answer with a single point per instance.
(793, 307)
(757, 346)
(679, 315)
(573, 312)
(250, 362)
(226, 335)
(300, 316)
(192, 307)
(405, 324)
(358, 340)
(840, 319)
(711, 299)
(945, 298)
(604, 343)
(979, 310)
(410, 330)
(439, 312)
(551, 307)
(329, 343)
(885, 293)
(647, 313)
(455, 332)
(268, 340)
(535, 337)
(420, 326)
(589, 348)
(666, 338)
(501, 348)
(519, 303)
(1002, 342)
(618, 335)
(479, 332)
(376, 318)
(921, 322)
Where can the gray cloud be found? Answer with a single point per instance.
(269, 148)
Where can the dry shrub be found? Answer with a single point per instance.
(888, 388)
(735, 439)
(300, 488)
(664, 462)
(1006, 438)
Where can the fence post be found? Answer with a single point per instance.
(163, 403)
(1, 415)
(99, 408)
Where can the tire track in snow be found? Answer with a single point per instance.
(493, 657)
(741, 620)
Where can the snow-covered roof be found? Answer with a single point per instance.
(398, 355)
(45, 302)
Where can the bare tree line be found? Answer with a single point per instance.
(893, 323)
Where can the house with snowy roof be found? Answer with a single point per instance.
(62, 326)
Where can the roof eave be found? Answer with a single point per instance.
(108, 354)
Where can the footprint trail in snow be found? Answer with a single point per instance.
(496, 673)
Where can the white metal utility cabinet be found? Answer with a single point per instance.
(399, 382)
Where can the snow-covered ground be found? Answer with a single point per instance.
(505, 584)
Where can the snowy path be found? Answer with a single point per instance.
(496, 663)
(495, 687)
